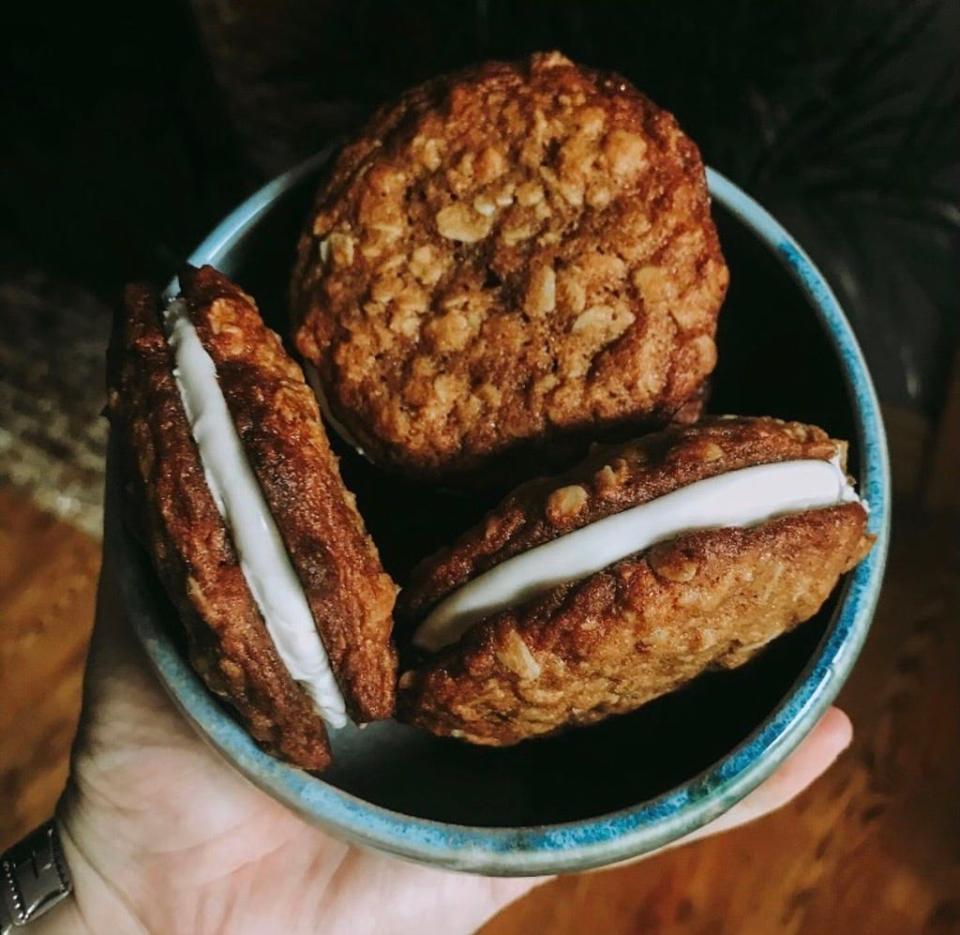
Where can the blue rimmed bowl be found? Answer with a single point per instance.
(598, 795)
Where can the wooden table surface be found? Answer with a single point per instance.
(873, 847)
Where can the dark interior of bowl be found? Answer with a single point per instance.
(774, 359)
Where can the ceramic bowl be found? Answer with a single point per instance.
(602, 794)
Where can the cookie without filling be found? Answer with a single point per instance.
(507, 257)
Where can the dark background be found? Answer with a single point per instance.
(127, 131)
(127, 135)
(130, 130)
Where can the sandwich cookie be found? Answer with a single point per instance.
(591, 593)
(232, 486)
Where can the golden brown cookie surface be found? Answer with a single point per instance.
(513, 253)
(611, 479)
(174, 512)
(645, 625)
(277, 421)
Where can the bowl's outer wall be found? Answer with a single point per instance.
(632, 784)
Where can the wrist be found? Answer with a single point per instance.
(34, 879)
(86, 909)
(62, 919)
(87, 901)
(95, 905)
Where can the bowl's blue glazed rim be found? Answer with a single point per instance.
(620, 835)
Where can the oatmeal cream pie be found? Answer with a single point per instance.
(230, 482)
(506, 257)
(588, 594)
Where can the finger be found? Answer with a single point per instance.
(809, 761)
(817, 751)
(119, 684)
(116, 655)
(421, 899)
(114, 650)
(112, 635)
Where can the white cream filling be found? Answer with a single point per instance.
(745, 497)
(263, 556)
(313, 378)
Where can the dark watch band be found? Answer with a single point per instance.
(33, 878)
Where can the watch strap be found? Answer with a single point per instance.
(33, 878)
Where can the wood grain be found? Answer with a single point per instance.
(873, 847)
(48, 577)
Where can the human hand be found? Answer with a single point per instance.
(162, 835)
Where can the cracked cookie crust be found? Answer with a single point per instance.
(506, 257)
